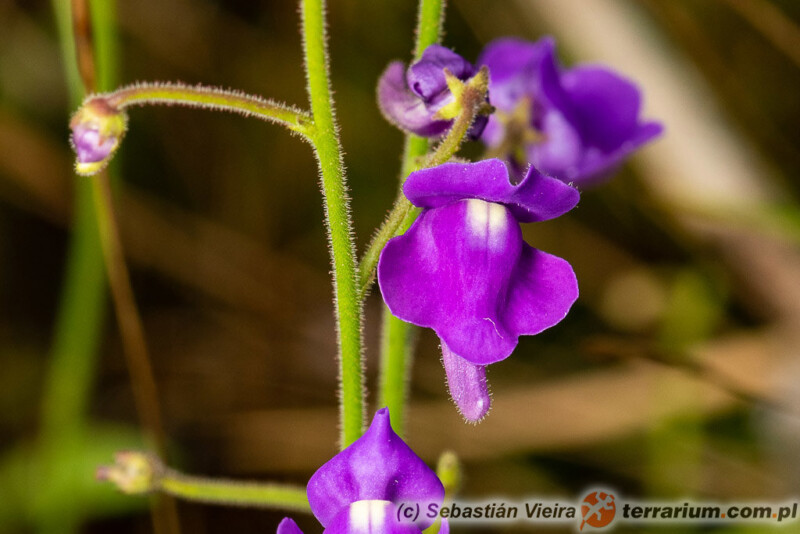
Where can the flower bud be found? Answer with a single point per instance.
(448, 469)
(97, 130)
(425, 97)
(133, 472)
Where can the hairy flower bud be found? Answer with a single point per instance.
(133, 472)
(97, 130)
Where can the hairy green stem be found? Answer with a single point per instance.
(398, 337)
(430, 17)
(203, 97)
(337, 217)
(233, 493)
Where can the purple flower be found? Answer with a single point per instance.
(577, 124)
(410, 98)
(359, 489)
(464, 270)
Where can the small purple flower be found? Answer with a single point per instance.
(359, 489)
(464, 270)
(577, 124)
(410, 98)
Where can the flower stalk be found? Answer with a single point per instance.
(136, 473)
(100, 124)
(204, 97)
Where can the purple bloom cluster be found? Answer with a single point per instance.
(356, 492)
(464, 270)
(410, 98)
(577, 124)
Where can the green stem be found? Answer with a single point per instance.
(429, 25)
(233, 493)
(340, 235)
(212, 98)
(397, 340)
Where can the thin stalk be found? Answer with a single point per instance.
(233, 493)
(347, 301)
(130, 323)
(139, 473)
(214, 99)
(398, 337)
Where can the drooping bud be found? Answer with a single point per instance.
(133, 472)
(97, 131)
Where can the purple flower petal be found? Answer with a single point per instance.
(288, 526)
(598, 166)
(90, 146)
(378, 466)
(535, 198)
(403, 108)
(514, 69)
(451, 272)
(426, 77)
(461, 268)
(606, 105)
(562, 152)
(543, 289)
(467, 384)
(370, 517)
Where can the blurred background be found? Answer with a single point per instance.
(674, 376)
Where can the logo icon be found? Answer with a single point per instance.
(598, 509)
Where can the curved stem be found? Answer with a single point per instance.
(200, 96)
(233, 493)
(346, 295)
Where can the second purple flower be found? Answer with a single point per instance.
(464, 270)
(575, 124)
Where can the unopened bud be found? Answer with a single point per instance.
(97, 130)
(448, 469)
(133, 472)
